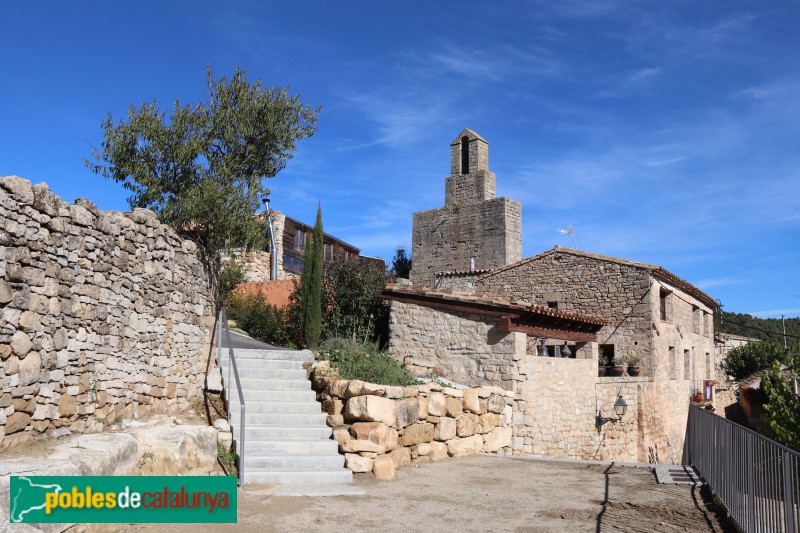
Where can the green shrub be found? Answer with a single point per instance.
(261, 320)
(348, 346)
(376, 368)
(231, 275)
(752, 357)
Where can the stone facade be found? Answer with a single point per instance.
(105, 315)
(380, 427)
(467, 348)
(474, 225)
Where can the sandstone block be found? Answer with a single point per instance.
(467, 425)
(67, 405)
(407, 412)
(496, 403)
(466, 446)
(17, 422)
(356, 446)
(424, 448)
(445, 429)
(29, 321)
(454, 406)
(357, 463)
(410, 392)
(341, 435)
(416, 433)
(377, 432)
(423, 407)
(332, 406)
(394, 392)
(437, 404)
(496, 439)
(489, 421)
(438, 450)
(371, 409)
(11, 365)
(24, 406)
(472, 402)
(383, 467)
(453, 393)
(400, 456)
(334, 420)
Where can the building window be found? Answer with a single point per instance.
(328, 252)
(299, 240)
(709, 375)
(687, 364)
(464, 155)
(673, 364)
(706, 324)
(292, 264)
(607, 350)
(663, 297)
(552, 305)
(695, 319)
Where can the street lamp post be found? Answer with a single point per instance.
(273, 274)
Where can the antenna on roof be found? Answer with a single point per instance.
(571, 232)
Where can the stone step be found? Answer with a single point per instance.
(256, 406)
(265, 384)
(271, 373)
(278, 419)
(302, 356)
(243, 364)
(291, 447)
(262, 432)
(274, 395)
(261, 462)
(300, 476)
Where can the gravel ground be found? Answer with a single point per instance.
(477, 494)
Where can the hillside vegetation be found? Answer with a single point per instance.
(768, 329)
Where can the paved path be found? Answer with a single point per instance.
(240, 340)
(478, 494)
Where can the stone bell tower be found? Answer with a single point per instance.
(474, 226)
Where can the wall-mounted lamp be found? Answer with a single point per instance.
(565, 351)
(620, 406)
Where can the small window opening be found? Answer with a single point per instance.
(464, 155)
(552, 305)
(663, 304)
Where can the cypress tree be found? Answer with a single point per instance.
(311, 286)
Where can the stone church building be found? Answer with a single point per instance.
(475, 311)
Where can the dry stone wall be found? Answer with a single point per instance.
(380, 427)
(104, 315)
(465, 348)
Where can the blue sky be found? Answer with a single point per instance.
(664, 132)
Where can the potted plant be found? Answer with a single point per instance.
(602, 361)
(633, 364)
(698, 397)
(618, 368)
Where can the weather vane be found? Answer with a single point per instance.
(571, 232)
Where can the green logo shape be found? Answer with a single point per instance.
(122, 499)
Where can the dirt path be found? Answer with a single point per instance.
(478, 494)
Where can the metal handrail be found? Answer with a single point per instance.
(222, 320)
(757, 479)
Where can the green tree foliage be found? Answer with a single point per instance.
(231, 275)
(261, 320)
(766, 329)
(752, 357)
(311, 286)
(354, 310)
(782, 410)
(401, 264)
(201, 166)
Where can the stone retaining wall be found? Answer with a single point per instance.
(380, 428)
(103, 315)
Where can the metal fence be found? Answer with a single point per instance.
(222, 327)
(756, 478)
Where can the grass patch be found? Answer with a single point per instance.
(376, 368)
(227, 459)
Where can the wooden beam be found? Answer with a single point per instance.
(508, 325)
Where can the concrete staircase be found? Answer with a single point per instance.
(287, 441)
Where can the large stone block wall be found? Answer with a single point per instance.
(447, 238)
(465, 348)
(256, 265)
(616, 292)
(380, 427)
(105, 315)
(564, 410)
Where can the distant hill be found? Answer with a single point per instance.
(768, 329)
